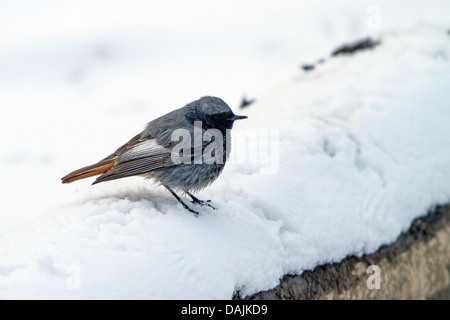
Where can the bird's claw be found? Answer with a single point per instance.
(203, 203)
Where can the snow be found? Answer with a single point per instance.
(331, 162)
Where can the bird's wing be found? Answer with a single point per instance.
(138, 156)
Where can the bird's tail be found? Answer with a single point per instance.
(89, 171)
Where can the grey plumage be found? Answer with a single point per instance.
(149, 154)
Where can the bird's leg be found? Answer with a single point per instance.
(179, 200)
(200, 202)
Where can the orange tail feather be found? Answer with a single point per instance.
(89, 171)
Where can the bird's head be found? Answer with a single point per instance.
(215, 113)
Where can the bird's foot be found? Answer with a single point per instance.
(189, 209)
(199, 202)
(204, 203)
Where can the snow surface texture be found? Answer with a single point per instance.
(341, 160)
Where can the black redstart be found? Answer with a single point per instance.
(184, 150)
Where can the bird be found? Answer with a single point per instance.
(164, 151)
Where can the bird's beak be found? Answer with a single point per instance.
(235, 117)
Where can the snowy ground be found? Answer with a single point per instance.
(341, 159)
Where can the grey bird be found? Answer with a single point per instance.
(149, 154)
